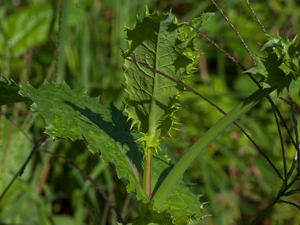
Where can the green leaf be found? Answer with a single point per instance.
(188, 32)
(281, 65)
(9, 92)
(152, 99)
(72, 114)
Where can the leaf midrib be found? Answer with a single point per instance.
(152, 113)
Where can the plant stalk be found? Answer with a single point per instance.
(147, 172)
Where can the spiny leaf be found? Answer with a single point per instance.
(72, 114)
(189, 32)
(163, 44)
(281, 65)
(9, 92)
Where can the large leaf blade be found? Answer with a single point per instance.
(72, 114)
(152, 99)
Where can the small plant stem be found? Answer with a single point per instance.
(292, 104)
(147, 172)
(290, 203)
(226, 53)
(256, 17)
(292, 192)
(296, 130)
(293, 165)
(21, 170)
(264, 212)
(10, 183)
(282, 147)
(283, 121)
(237, 33)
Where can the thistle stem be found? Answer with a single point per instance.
(147, 172)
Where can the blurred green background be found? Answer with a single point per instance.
(232, 176)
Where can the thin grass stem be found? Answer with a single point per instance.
(20, 171)
(292, 104)
(293, 165)
(256, 17)
(296, 130)
(237, 33)
(282, 146)
(290, 203)
(226, 53)
(283, 122)
(292, 192)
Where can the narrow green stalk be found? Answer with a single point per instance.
(147, 172)
(180, 167)
(151, 134)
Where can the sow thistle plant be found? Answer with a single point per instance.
(161, 54)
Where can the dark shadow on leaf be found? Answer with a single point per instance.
(163, 175)
(115, 124)
(159, 162)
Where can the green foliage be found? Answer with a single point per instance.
(166, 46)
(281, 65)
(72, 114)
(234, 178)
(9, 92)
